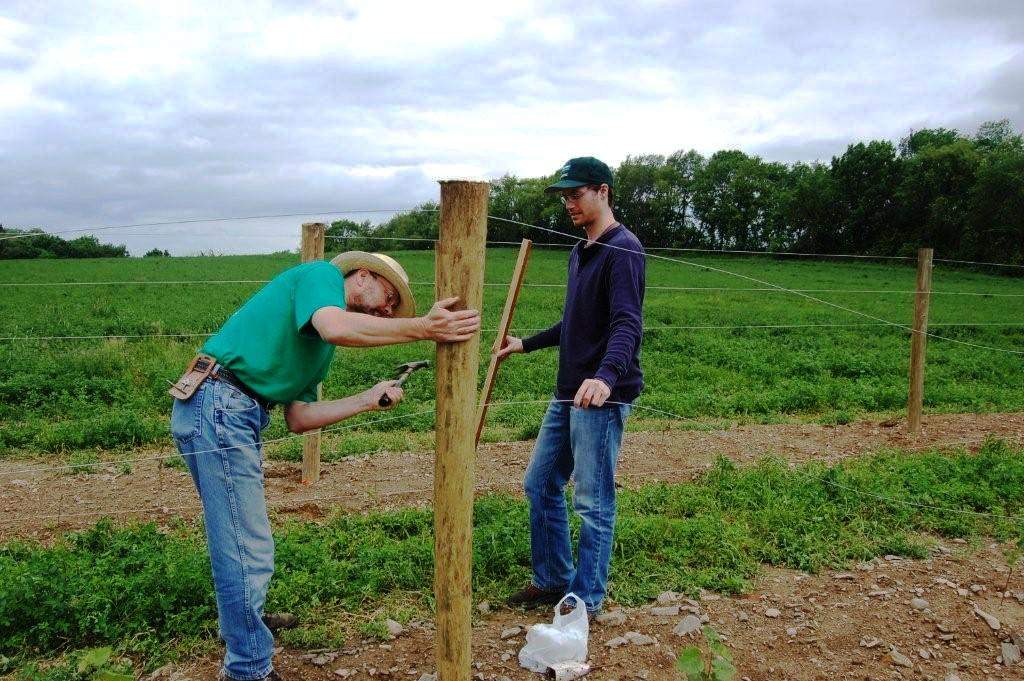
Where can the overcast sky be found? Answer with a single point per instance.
(127, 112)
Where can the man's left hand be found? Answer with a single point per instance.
(592, 393)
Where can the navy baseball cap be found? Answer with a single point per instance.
(581, 171)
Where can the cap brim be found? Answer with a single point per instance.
(564, 184)
(361, 260)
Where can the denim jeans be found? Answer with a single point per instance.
(583, 443)
(218, 434)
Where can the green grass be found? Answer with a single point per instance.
(63, 396)
(147, 591)
(96, 664)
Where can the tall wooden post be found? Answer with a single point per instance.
(312, 249)
(919, 340)
(460, 272)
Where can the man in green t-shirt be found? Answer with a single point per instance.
(276, 349)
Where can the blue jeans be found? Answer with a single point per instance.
(583, 443)
(218, 434)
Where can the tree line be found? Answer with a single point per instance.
(42, 245)
(962, 195)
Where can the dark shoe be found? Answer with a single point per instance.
(277, 621)
(532, 597)
(567, 607)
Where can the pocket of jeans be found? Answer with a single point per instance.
(185, 418)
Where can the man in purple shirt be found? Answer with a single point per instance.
(599, 376)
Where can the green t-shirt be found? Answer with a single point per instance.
(270, 344)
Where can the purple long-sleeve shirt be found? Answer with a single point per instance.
(601, 328)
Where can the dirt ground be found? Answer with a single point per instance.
(861, 624)
(831, 626)
(34, 504)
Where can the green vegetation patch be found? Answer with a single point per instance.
(103, 395)
(147, 591)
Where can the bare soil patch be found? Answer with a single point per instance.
(43, 504)
(833, 625)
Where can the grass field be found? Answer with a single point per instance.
(147, 590)
(79, 398)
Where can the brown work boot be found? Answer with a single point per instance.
(532, 597)
(277, 621)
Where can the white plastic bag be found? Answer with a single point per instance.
(564, 640)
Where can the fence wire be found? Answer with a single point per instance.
(647, 329)
(691, 289)
(770, 287)
(377, 493)
(367, 237)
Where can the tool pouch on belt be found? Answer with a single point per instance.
(199, 369)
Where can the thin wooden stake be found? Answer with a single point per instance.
(503, 328)
(460, 272)
(919, 341)
(312, 249)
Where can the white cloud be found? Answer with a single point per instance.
(385, 31)
(552, 28)
(15, 94)
(10, 32)
(117, 112)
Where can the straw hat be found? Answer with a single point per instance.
(385, 266)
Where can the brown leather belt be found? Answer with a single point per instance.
(224, 375)
(203, 367)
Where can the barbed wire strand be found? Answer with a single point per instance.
(776, 286)
(378, 493)
(975, 262)
(187, 221)
(694, 327)
(368, 237)
(91, 464)
(731, 289)
(808, 476)
(118, 462)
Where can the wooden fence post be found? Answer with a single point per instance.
(312, 249)
(460, 272)
(919, 339)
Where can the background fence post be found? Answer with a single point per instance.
(919, 339)
(312, 249)
(460, 272)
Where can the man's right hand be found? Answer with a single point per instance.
(371, 397)
(512, 344)
(446, 326)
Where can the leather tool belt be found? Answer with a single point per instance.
(203, 367)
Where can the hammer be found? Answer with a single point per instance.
(404, 371)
